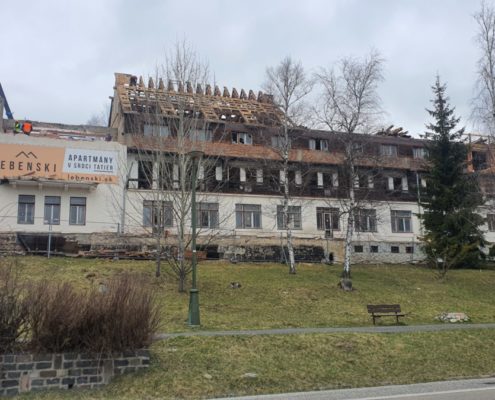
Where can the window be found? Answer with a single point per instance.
(52, 210)
(77, 211)
(398, 184)
(374, 249)
(278, 141)
(242, 138)
(327, 219)
(318, 144)
(319, 179)
(208, 215)
(401, 221)
(145, 174)
(358, 249)
(394, 249)
(409, 249)
(247, 216)
(419, 152)
(25, 211)
(365, 220)
(156, 130)
(388, 150)
(293, 217)
(479, 160)
(200, 135)
(490, 218)
(157, 214)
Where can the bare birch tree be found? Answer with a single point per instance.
(350, 104)
(289, 84)
(483, 103)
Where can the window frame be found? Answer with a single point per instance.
(201, 135)
(294, 214)
(156, 130)
(399, 222)
(389, 150)
(210, 211)
(248, 212)
(334, 215)
(26, 207)
(80, 207)
(358, 248)
(164, 219)
(247, 138)
(318, 144)
(52, 207)
(368, 215)
(419, 153)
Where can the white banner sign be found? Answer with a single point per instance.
(96, 162)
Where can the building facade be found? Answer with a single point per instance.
(127, 185)
(58, 181)
(241, 181)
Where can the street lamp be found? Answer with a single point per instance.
(193, 319)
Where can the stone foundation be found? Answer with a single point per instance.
(240, 247)
(33, 372)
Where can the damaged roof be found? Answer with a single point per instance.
(209, 104)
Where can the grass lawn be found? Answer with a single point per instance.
(271, 298)
(201, 367)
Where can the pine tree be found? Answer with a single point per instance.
(452, 236)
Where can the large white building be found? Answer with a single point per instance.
(95, 188)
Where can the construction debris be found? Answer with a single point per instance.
(393, 132)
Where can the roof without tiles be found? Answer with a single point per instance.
(211, 104)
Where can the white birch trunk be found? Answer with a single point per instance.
(350, 218)
(290, 247)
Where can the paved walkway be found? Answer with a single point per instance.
(359, 329)
(470, 389)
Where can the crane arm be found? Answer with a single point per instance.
(6, 104)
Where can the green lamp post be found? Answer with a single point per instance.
(193, 318)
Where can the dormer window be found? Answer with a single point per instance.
(278, 141)
(200, 135)
(388, 150)
(156, 130)
(419, 152)
(318, 144)
(242, 138)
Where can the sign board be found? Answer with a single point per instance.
(60, 163)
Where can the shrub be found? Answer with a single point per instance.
(55, 313)
(13, 310)
(124, 316)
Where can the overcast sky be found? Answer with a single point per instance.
(58, 58)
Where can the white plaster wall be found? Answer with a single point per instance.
(269, 204)
(102, 201)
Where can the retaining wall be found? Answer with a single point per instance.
(33, 372)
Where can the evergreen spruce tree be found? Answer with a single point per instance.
(452, 237)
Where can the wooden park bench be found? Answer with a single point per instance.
(385, 310)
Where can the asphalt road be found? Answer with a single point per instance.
(471, 389)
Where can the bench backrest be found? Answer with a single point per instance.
(383, 308)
